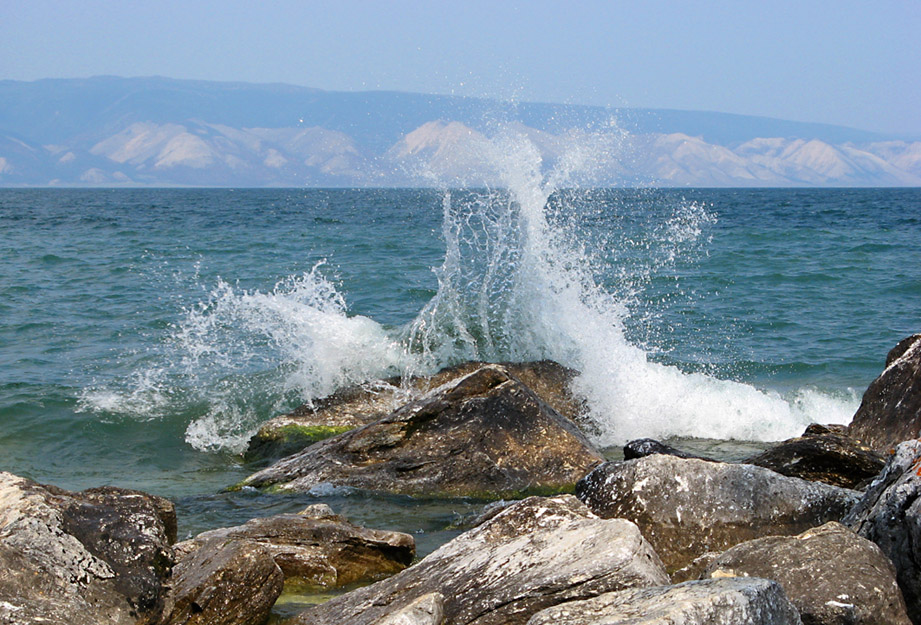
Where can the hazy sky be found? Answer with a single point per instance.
(856, 63)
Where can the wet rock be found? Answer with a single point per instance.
(712, 602)
(485, 435)
(831, 575)
(233, 582)
(687, 507)
(823, 455)
(317, 548)
(642, 447)
(532, 555)
(890, 515)
(359, 405)
(96, 557)
(890, 411)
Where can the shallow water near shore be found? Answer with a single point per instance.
(145, 334)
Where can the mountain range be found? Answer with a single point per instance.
(109, 131)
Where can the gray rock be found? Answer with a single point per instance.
(96, 557)
(823, 455)
(426, 610)
(316, 548)
(890, 515)
(642, 447)
(355, 406)
(712, 602)
(234, 582)
(831, 575)
(532, 555)
(485, 435)
(687, 507)
(890, 411)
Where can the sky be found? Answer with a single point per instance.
(854, 63)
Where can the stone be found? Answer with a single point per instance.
(889, 514)
(96, 557)
(712, 602)
(232, 582)
(890, 411)
(832, 575)
(643, 447)
(426, 610)
(358, 405)
(822, 455)
(687, 507)
(485, 435)
(317, 548)
(534, 554)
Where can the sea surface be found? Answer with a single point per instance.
(146, 333)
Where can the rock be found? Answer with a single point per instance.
(642, 447)
(823, 456)
(532, 555)
(96, 557)
(890, 515)
(687, 507)
(712, 602)
(318, 548)
(830, 574)
(891, 408)
(485, 435)
(355, 406)
(426, 610)
(233, 582)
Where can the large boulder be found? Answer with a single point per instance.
(890, 515)
(532, 555)
(485, 435)
(687, 507)
(224, 582)
(712, 602)
(354, 406)
(823, 454)
(831, 575)
(891, 408)
(317, 548)
(96, 557)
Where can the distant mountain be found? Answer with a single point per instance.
(158, 131)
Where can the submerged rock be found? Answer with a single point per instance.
(355, 406)
(317, 548)
(830, 574)
(642, 447)
(94, 557)
(890, 515)
(687, 507)
(822, 454)
(532, 555)
(486, 435)
(712, 602)
(890, 411)
(224, 582)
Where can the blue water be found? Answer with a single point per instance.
(144, 334)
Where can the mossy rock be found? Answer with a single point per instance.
(275, 443)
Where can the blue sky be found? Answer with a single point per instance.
(842, 62)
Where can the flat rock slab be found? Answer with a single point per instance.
(823, 455)
(713, 602)
(485, 435)
(355, 406)
(889, 514)
(534, 554)
(890, 411)
(94, 557)
(317, 548)
(687, 507)
(832, 575)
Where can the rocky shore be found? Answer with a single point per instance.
(821, 529)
